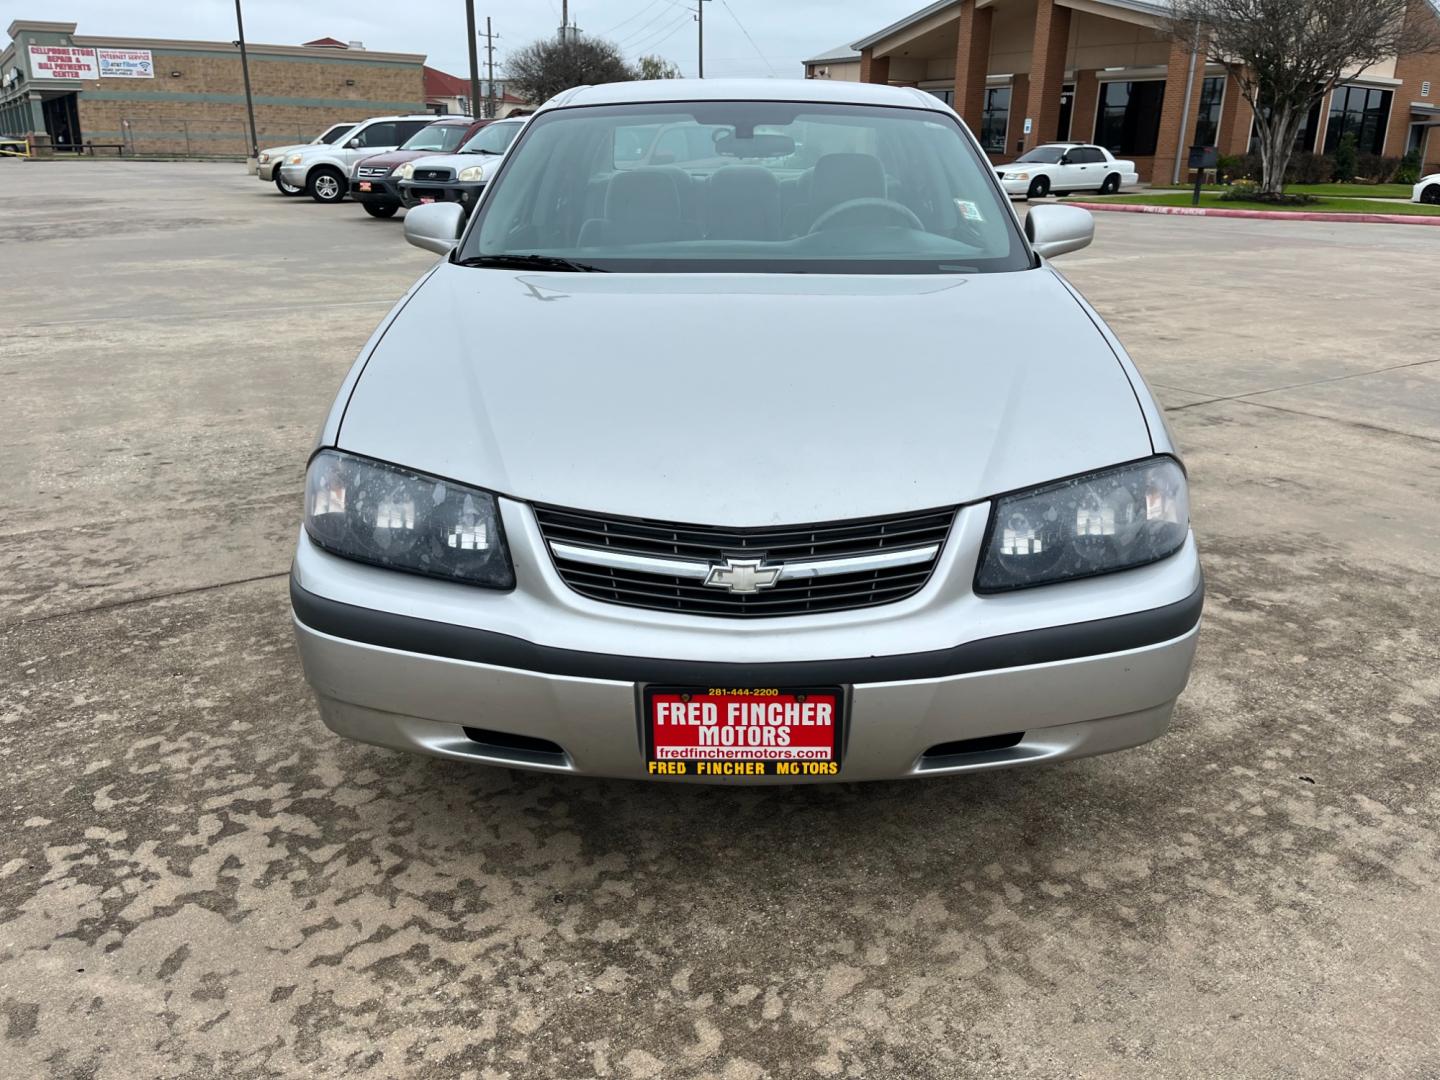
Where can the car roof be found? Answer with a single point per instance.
(810, 90)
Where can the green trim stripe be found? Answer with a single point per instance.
(179, 98)
(342, 57)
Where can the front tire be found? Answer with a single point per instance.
(1111, 184)
(1431, 195)
(284, 188)
(381, 210)
(326, 186)
(1039, 188)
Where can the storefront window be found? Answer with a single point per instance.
(1127, 120)
(1360, 111)
(1207, 120)
(1304, 136)
(995, 120)
(947, 96)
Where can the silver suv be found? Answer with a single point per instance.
(269, 160)
(324, 171)
(790, 458)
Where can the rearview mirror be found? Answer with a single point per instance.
(757, 146)
(1057, 230)
(435, 226)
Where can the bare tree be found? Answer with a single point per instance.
(543, 68)
(1286, 55)
(657, 67)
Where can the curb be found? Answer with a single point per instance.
(1264, 215)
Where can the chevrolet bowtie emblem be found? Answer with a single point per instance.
(742, 576)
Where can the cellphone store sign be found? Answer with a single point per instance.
(63, 62)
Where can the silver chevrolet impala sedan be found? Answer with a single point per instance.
(744, 434)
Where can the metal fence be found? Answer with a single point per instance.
(180, 137)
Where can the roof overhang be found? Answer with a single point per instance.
(1144, 12)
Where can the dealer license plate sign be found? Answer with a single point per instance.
(740, 732)
(364, 185)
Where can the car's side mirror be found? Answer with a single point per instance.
(1064, 159)
(353, 144)
(1056, 230)
(435, 226)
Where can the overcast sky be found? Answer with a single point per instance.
(784, 31)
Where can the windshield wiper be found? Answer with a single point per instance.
(532, 262)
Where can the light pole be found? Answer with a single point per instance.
(700, 45)
(245, 70)
(474, 63)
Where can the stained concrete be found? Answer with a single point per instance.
(197, 880)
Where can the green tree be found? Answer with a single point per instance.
(543, 68)
(657, 67)
(1286, 55)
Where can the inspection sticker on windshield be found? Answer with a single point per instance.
(969, 211)
(739, 732)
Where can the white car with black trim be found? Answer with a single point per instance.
(1427, 190)
(323, 172)
(1064, 168)
(459, 177)
(733, 468)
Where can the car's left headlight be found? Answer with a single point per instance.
(474, 172)
(1093, 524)
(264, 158)
(406, 171)
(1017, 176)
(392, 517)
(294, 159)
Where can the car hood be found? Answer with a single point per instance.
(461, 161)
(744, 399)
(275, 151)
(395, 157)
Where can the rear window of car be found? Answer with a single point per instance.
(750, 186)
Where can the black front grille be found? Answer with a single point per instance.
(778, 544)
(369, 172)
(432, 174)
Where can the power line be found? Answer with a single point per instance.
(632, 18)
(654, 31)
(726, 5)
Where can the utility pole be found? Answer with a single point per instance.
(474, 63)
(245, 70)
(490, 69)
(700, 20)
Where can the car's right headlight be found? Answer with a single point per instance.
(1103, 521)
(406, 171)
(264, 158)
(473, 173)
(382, 514)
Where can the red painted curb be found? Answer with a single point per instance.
(1266, 215)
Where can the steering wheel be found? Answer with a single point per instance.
(899, 211)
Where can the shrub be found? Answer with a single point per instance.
(1347, 159)
(1409, 170)
(1241, 191)
(1374, 169)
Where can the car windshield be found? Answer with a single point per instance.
(335, 134)
(441, 137)
(747, 187)
(1042, 155)
(492, 139)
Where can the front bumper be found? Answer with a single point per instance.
(1016, 187)
(411, 663)
(266, 170)
(415, 192)
(382, 189)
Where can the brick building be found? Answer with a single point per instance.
(1101, 71)
(188, 97)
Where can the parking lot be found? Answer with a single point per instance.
(197, 879)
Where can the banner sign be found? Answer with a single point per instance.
(63, 62)
(126, 64)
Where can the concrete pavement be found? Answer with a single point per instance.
(197, 880)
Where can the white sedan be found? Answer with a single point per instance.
(1427, 190)
(1061, 168)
